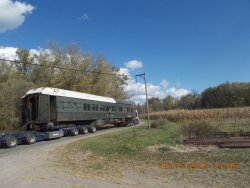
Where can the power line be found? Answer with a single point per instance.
(64, 68)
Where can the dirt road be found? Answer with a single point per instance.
(30, 166)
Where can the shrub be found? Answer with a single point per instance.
(197, 129)
(158, 123)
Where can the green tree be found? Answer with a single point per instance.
(6, 69)
(225, 95)
(190, 101)
(23, 65)
(169, 103)
(155, 104)
(96, 75)
(10, 101)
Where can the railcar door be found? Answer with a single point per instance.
(33, 108)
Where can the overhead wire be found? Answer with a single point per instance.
(70, 69)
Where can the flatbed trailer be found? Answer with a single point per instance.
(12, 139)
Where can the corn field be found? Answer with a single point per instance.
(202, 114)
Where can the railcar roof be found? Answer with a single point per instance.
(71, 94)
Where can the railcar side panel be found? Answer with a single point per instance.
(44, 107)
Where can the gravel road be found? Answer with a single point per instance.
(30, 165)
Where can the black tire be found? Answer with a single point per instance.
(83, 130)
(92, 129)
(30, 138)
(74, 131)
(11, 141)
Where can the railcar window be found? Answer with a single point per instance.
(128, 109)
(94, 107)
(120, 108)
(107, 108)
(102, 108)
(113, 108)
(86, 107)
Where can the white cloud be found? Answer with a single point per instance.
(12, 14)
(84, 17)
(164, 84)
(177, 93)
(124, 71)
(8, 53)
(133, 64)
(137, 90)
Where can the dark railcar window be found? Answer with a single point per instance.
(102, 108)
(128, 109)
(86, 107)
(94, 107)
(113, 108)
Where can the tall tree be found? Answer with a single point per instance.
(23, 65)
(190, 101)
(169, 103)
(155, 104)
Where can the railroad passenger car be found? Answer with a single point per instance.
(52, 107)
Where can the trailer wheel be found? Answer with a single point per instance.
(11, 141)
(74, 131)
(83, 130)
(30, 139)
(92, 129)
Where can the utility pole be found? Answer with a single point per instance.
(146, 92)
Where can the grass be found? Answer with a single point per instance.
(143, 148)
(131, 141)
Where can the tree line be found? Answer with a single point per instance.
(236, 94)
(66, 68)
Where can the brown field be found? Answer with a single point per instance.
(203, 114)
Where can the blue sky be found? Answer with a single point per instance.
(187, 45)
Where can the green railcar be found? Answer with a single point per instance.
(45, 107)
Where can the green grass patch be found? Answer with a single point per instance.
(237, 125)
(130, 141)
(133, 141)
